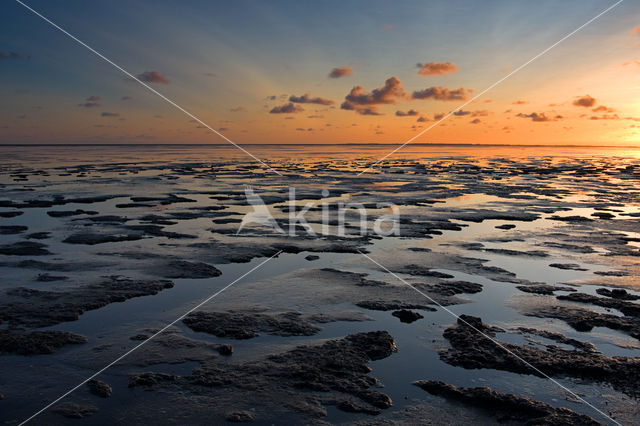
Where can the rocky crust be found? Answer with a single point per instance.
(22, 342)
(40, 308)
(246, 325)
(99, 388)
(508, 408)
(391, 305)
(303, 380)
(544, 289)
(617, 293)
(628, 308)
(406, 316)
(470, 349)
(75, 411)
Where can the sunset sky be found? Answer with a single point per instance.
(320, 72)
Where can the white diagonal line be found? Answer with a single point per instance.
(492, 86)
(128, 74)
(497, 342)
(115, 361)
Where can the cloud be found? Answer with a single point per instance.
(442, 94)
(340, 72)
(362, 102)
(407, 113)
(271, 98)
(110, 114)
(306, 99)
(480, 113)
(476, 121)
(236, 109)
(585, 101)
(90, 102)
(603, 108)
(153, 77)
(460, 113)
(632, 62)
(368, 111)
(605, 117)
(436, 68)
(9, 55)
(539, 117)
(519, 102)
(289, 108)
(126, 98)
(635, 30)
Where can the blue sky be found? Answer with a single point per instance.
(219, 56)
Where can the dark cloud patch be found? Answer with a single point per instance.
(153, 77)
(603, 108)
(363, 102)
(110, 114)
(409, 113)
(520, 102)
(442, 94)
(271, 98)
(605, 117)
(371, 110)
(126, 98)
(540, 117)
(461, 113)
(307, 99)
(436, 68)
(9, 55)
(476, 121)
(585, 101)
(90, 102)
(289, 108)
(237, 109)
(340, 72)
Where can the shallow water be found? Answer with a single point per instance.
(198, 172)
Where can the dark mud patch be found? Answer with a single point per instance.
(75, 411)
(585, 320)
(407, 316)
(22, 342)
(544, 289)
(567, 266)
(99, 388)
(24, 248)
(507, 408)
(246, 325)
(12, 229)
(628, 308)
(617, 293)
(46, 278)
(303, 380)
(391, 305)
(185, 269)
(472, 350)
(88, 238)
(39, 308)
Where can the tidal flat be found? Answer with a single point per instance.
(509, 293)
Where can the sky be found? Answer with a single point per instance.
(321, 72)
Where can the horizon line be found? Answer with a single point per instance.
(320, 144)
